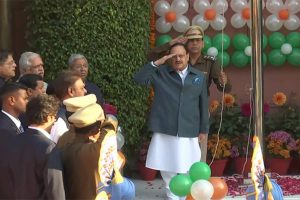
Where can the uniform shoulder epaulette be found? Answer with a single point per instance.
(211, 58)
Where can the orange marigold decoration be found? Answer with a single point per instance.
(279, 98)
(229, 100)
(214, 104)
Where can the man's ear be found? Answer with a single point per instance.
(11, 100)
(29, 91)
(70, 92)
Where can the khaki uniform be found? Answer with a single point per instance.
(80, 160)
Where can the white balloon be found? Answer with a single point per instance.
(273, 6)
(286, 49)
(202, 190)
(162, 25)
(293, 6)
(120, 138)
(219, 23)
(181, 23)
(200, 21)
(212, 51)
(292, 23)
(201, 5)
(237, 20)
(221, 6)
(180, 6)
(248, 51)
(161, 7)
(273, 23)
(238, 5)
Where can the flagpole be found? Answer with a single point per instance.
(257, 72)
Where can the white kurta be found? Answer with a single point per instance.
(172, 153)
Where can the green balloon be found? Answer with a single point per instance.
(199, 171)
(265, 59)
(162, 40)
(239, 59)
(223, 58)
(293, 38)
(276, 58)
(241, 41)
(265, 41)
(276, 40)
(221, 41)
(180, 185)
(294, 57)
(207, 43)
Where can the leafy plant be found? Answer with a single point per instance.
(114, 37)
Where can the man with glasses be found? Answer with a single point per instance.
(79, 63)
(31, 63)
(179, 113)
(7, 66)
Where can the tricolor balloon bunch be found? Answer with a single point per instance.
(171, 15)
(198, 184)
(210, 14)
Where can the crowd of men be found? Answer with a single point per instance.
(55, 140)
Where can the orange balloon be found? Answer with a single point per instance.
(220, 188)
(189, 197)
(210, 14)
(246, 13)
(283, 14)
(170, 16)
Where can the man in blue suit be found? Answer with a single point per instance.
(13, 98)
(179, 113)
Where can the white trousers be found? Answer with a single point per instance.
(167, 176)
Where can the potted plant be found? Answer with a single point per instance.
(285, 117)
(145, 172)
(218, 152)
(279, 144)
(241, 152)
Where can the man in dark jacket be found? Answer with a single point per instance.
(14, 99)
(179, 113)
(36, 166)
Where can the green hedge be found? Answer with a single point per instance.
(112, 34)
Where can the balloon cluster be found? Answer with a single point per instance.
(216, 47)
(284, 48)
(171, 15)
(210, 14)
(198, 184)
(243, 51)
(243, 13)
(283, 14)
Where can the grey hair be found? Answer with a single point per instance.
(25, 60)
(75, 57)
